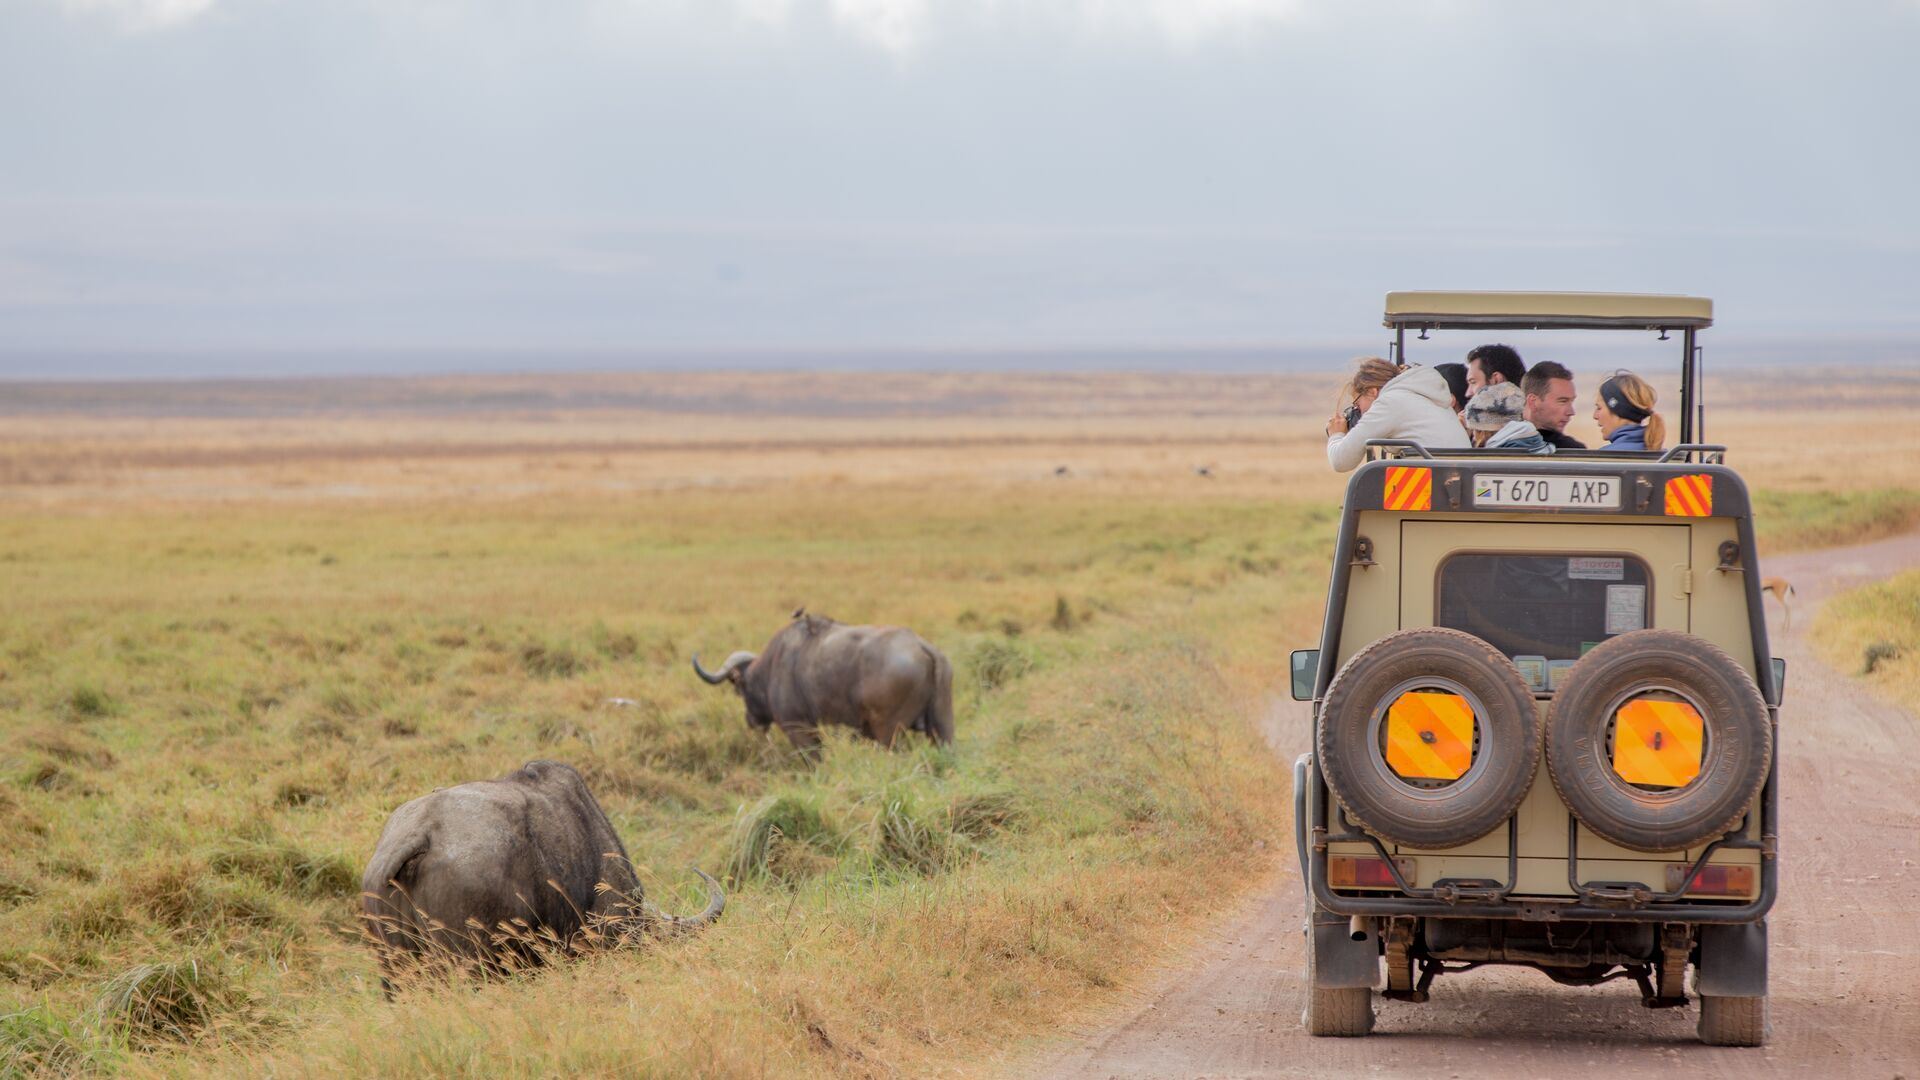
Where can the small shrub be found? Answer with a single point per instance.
(1876, 654)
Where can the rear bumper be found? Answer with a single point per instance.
(1315, 820)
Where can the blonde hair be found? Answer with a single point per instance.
(1369, 373)
(1640, 392)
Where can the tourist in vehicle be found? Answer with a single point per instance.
(1550, 396)
(1391, 401)
(1496, 417)
(1624, 411)
(1456, 376)
(1491, 365)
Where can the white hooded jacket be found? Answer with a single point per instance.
(1415, 405)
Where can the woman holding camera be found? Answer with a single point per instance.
(1389, 401)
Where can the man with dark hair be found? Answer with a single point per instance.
(1491, 364)
(1550, 393)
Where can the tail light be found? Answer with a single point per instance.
(1716, 879)
(1365, 872)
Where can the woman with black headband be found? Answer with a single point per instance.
(1625, 414)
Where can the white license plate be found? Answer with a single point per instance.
(1575, 492)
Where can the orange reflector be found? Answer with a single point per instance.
(1690, 496)
(1430, 735)
(1365, 872)
(1714, 880)
(1657, 743)
(1409, 487)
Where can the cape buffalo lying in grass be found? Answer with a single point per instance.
(492, 874)
(880, 680)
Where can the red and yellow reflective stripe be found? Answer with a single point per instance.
(1657, 742)
(1430, 735)
(1690, 495)
(1408, 488)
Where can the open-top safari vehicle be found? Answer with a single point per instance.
(1544, 710)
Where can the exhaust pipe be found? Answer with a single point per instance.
(1359, 927)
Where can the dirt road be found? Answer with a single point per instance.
(1845, 933)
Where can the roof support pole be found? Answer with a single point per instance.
(1690, 405)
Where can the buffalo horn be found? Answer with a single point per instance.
(715, 678)
(716, 903)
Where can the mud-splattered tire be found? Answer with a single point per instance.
(1733, 1021)
(1738, 755)
(1505, 760)
(1339, 1013)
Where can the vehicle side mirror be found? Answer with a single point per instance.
(1306, 671)
(1779, 681)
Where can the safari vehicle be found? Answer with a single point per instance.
(1545, 714)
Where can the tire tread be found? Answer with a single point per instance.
(1733, 1021)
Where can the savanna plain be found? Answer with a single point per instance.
(241, 622)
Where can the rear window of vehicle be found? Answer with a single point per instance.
(1551, 607)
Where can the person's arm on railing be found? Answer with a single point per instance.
(1346, 449)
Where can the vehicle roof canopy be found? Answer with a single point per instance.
(1546, 311)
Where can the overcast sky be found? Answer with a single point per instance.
(193, 178)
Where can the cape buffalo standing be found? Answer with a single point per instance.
(490, 873)
(880, 680)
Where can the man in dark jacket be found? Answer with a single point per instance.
(1550, 394)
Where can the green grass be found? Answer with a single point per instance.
(1874, 632)
(206, 725)
(1797, 520)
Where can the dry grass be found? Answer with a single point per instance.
(232, 644)
(1874, 632)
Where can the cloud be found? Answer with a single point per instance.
(893, 26)
(1185, 22)
(141, 14)
(901, 28)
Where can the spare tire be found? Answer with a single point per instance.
(1605, 748)
(1429, 738)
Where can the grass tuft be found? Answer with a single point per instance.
(167, 1003)
(549, 661)
(279, 865)
(911, 840)
(997, 662)
(782, 837)
(89, 701)
(984, 813)
(40, 1042)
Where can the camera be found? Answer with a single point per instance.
(1351, 416)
